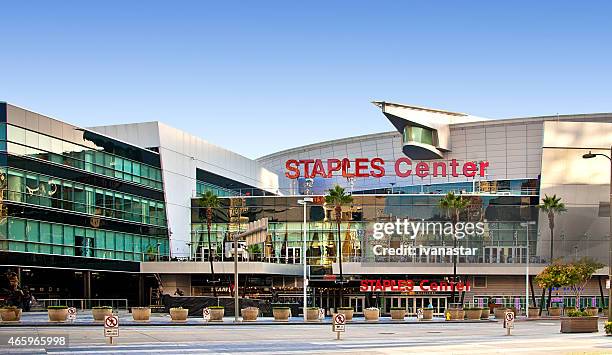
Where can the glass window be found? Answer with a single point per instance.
(16, 134)
(419, 135)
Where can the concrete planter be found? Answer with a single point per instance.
(141, 314)
(485, 313)
(554, 312)
(249, 314)
(57, 314)
(282, 314)
(99, 313)
(473, 314)
(500, 312)
(428, 313)
(216, 314)
(312, 314)
(456, 313)
(371, 314)
(579, 325)
(592, 311)
(10, 314)
(534, 312)
(179, 314)
(348, 313)
(398, 314)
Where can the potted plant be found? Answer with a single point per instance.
(485, 313)
(10, 314)
(347, 311)
(608, 328)
(473, 313)
(281, 314)
(249, 314)
(141, 314)
(216, 313)
(427, 313)
(456, 313)
(533, 312)
(604, 312)
(371, 314)
(500, 312)
(100, 312)
(179, 314)
(57, 313)
(151, 253)
(592, 311)
(554, 311)
(398, 313)
(312, 313)
(579, 322)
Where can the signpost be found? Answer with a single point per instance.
(111, 327)
(339, 324)
(508, 321)
(321, 314)
(206, 314)
(72, 313)
(420, 314)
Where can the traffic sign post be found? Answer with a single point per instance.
(111, 327)
(339, 324)
(321, 314)
(206, 314)
(420, 314)
(72, 313)
(508, 321)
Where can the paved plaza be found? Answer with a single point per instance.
(532, 337)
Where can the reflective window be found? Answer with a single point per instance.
(419, 135)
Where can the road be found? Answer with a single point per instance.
(535, 337)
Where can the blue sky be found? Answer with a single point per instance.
(258, 77)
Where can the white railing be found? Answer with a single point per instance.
(84, 303)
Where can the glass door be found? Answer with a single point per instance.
(358, 303)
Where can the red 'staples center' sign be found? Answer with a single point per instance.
(375, 167)
(412, 286)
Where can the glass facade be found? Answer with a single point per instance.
(420, 135)
(68, 192)
(202, 187)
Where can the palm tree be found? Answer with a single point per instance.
(454, 205)
(209, 201)
(551, 205)
(338, 198)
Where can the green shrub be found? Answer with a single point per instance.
(608, 327)
(284, 308)
(345, 308)
(397, 308)
(309, 308)
(102, 307)
(216, 307)
(576, 313)
(553, 307)
(57, 307)
(9, 307)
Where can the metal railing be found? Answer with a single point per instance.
(83, 303)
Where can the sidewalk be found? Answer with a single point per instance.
(85, 319)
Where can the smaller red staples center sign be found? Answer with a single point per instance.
(376, 167)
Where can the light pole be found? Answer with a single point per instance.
(304, 202)
(526, 224)
(589, 156)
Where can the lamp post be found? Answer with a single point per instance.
(304, 202)
(589, 156)
(526, 224)
(158, 245)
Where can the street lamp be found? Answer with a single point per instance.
(158, 245)
(526, 224)
(589, 156)
(304, 202)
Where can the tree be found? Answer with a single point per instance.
(551, 205)
(337, 197)
(574, 274)
(209, 201)
(454, 205)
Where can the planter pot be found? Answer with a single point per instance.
(10, 314)
(485, 313)
(312, 314)
(249, 314)
(57, 315)
(141, 314)
(216, 314)
(499, 312)
(371, 315)
(554, 312)
(579, 325)
(100, 313)
(473, 314)
(456, 314)
(428, 313)
(179, 314)
(283, 314)
(534, 312)
(398, 314)
(348, 313)
(592, 311)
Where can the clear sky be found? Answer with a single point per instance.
(260, 76)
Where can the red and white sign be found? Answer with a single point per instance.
(412, 286)
(375, 167)
(111, 326)
(339, 324)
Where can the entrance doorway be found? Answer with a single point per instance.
(412, 303)
(358, 303)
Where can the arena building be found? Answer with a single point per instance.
(392, 231)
